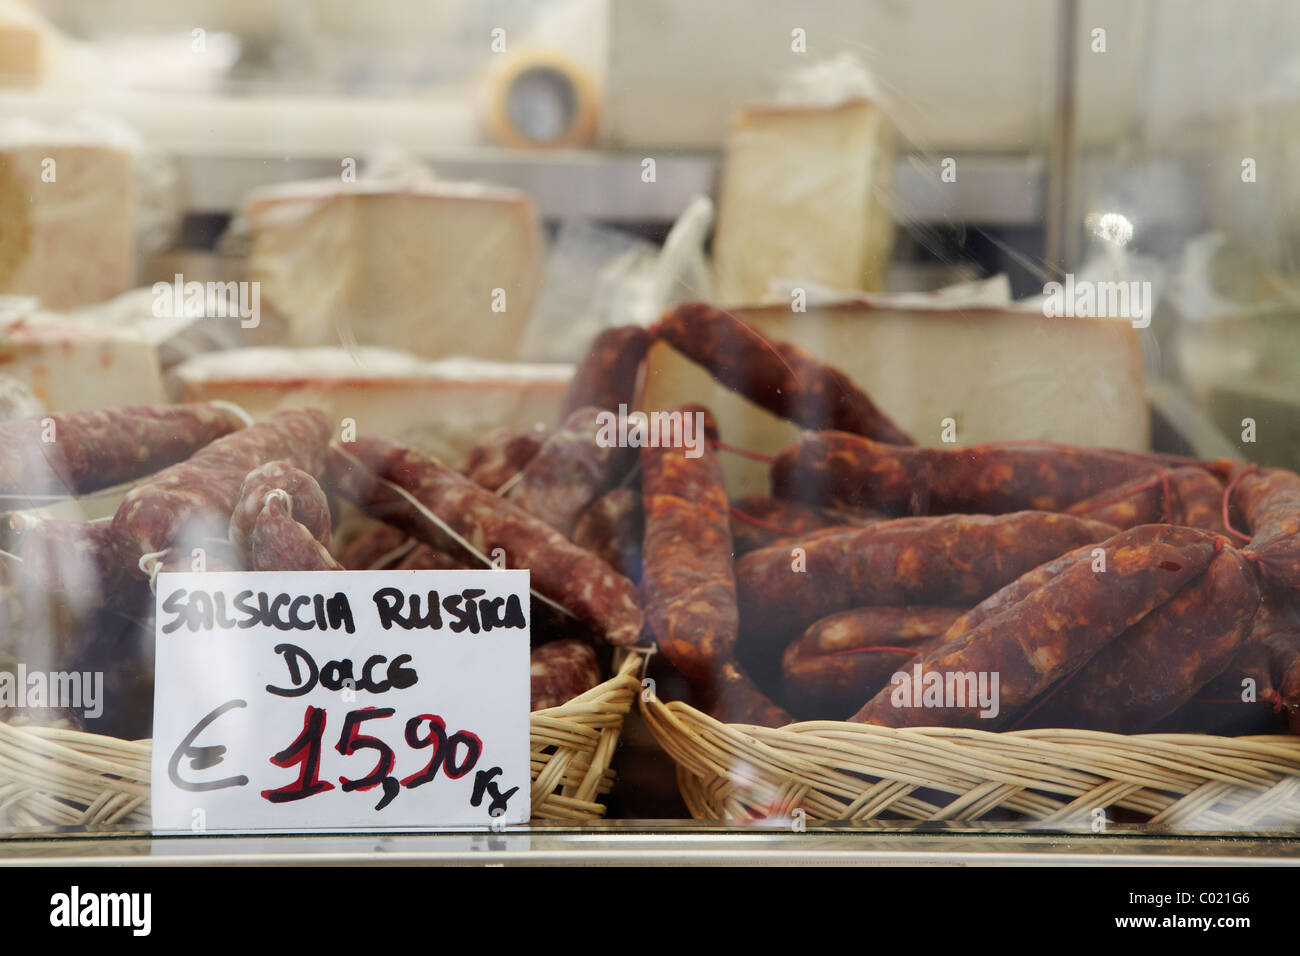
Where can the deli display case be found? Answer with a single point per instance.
(591, 431)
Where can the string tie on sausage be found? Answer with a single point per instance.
(1227, 497)
(279, 494)
(234, 409)
(877, 649)
(150, 564)
(760, 523)
(718, 443)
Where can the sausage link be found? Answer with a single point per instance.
(425, 558)
(374, 548)
(501, 455)
(607, 375)
(688, 583)
(79, 452)
(278, 542)
(309, 504)
(576, 579)
(1269, 499)
(944, 560)
(780, 377)
(611, 528)
(195, 498)
(560, 671)
(76, 557)
(843, 658)
(758, 520)
(1053, 630)
(1158, 664)
(570, 471)
(838, 468)
(1194, 498)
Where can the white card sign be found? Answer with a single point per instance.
(341, 700)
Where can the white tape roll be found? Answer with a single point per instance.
(541, 99)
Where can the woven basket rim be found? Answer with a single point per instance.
(842, 770)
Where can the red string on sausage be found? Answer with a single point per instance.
(913, 651)
(1046, 697)
(1227, 496)
(1161, 477)
(760, 523)
(1274, 698)
(743, 452)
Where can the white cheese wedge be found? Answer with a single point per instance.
(998, 374)
(67, 222)
(68, 366)
(804, 197)
(438, 270)
(443, 407)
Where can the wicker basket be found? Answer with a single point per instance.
(52, 777)
(838, 771)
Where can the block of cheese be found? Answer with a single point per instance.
(805, 197)
(22, 51)
(998, 373)
(67, 222)
(69, 366)
(443, 407)
(436, 269)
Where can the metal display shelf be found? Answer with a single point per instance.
(656, 843)
(229, 145)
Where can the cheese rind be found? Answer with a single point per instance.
(443, 407)
(439, 270)
(998, 374)
(804, 197)
(68, 366)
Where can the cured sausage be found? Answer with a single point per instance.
(501, 455)
(838, 468)
(211, 556)
(79, 558)
(1158, 664)
(943, 560)
(758, 520)
(1198, 499)
(780, 377)
(572, 468)
(375, 547)
(309, 505)
(607, 375)
(1269, 499)
(1244, 697)
(195, 498)
(1188, 496)
(688, 583)
(560, 671)
(1014, 656)
(278, 542)
(843, 658)
(425, 558)
(560, 570)
(611, 528)
(80, 452)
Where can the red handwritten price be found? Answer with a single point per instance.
(455, 754)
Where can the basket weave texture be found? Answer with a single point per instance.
(839, 771)
(53, 777)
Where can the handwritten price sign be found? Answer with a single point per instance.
(341, 700)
